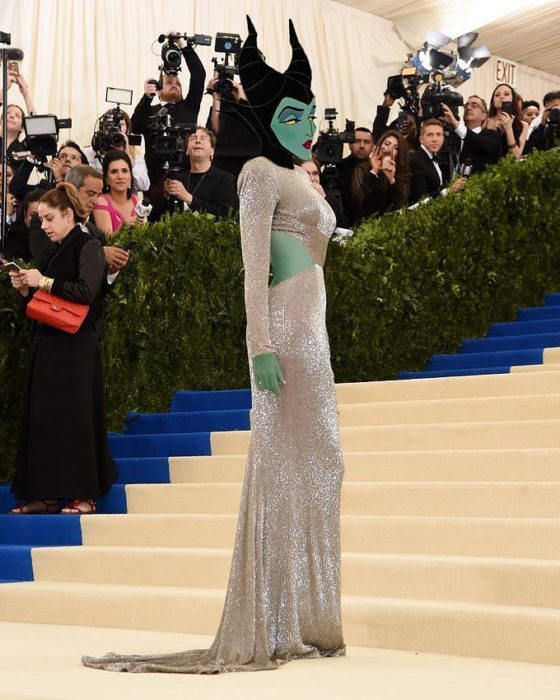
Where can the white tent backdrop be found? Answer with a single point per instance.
(75, 48)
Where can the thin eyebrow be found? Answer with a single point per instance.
(289, 109)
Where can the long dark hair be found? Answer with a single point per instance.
(111, 157)
(402, 168)
(515, 109)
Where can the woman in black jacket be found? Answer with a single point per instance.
(63, 452)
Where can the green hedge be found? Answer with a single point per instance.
(404, 287)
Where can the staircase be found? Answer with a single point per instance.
(450, 520)
(531, 340)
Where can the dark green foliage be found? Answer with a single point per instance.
(405, 287)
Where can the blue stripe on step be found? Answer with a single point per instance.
(172, 445)
(547, 325)
(15, 562)
(227, 400)
(453, 372)
(486, 359)
(514, 342)
(143, 470)
(40, 530)
(186, 422)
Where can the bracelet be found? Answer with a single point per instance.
(511, 145)
(45, 284)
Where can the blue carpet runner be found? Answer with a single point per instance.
(141, 454)
(521, 342)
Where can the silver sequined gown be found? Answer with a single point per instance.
(283, 596)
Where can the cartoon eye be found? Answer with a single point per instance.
(290, 121)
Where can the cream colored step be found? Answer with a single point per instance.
(476, 499)
(467, 629)
(502, 408)
(548, 367)
(430, 436)
(534, 582)
(551, 356)
(451, 387)
(493, 537)
(429, 465)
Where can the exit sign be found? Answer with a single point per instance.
(505, 71)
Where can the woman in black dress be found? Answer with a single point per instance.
(63, 452)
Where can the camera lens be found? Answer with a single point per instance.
(172, 57)
(116, 138)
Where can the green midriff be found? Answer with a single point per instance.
(288, 257)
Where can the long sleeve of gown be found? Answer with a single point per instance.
(90, 276)
(258, 196)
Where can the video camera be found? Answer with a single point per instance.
(41, 133)
(108, 134)
(227, 68)
(171, 53)
(436, 95)
(330, 144)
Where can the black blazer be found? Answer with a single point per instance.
(481, 149)
(425, 179)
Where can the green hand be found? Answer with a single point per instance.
(268, 374)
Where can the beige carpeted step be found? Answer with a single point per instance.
(502, 408)
(475, 499)
(468, 629)
(495, 537)
(548, 367)
(534, 582)
(430, 436)
(522, 384)
(428, 465)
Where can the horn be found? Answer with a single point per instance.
(299, 68)
(253, 71)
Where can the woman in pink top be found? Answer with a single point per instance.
(117, 205)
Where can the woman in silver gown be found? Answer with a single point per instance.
(283, 596)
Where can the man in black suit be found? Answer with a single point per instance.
(360, 152)
(202, 187)
(479, 147)
(428, 180)
(543, 135)
(183, 110)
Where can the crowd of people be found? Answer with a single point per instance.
(79, 199)
(390, 165)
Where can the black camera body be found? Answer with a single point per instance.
(435, 96)
(330, 144)
(228, 67)
(108, 134)
(171, 52)
(554, 117)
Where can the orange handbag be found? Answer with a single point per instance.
(54, 311)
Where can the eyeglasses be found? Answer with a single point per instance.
(473, 104)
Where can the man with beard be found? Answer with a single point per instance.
(182, 110)
(360, 151)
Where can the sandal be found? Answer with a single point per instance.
(79, 506)
(38, 507)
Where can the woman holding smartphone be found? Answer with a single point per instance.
(504, 116)
(382, 184)
(63, 453)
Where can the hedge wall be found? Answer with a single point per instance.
(405, 286)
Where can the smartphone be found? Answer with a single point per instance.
(507, 107)
(8, 265)
(13, 66)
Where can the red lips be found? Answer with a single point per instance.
(307, 144)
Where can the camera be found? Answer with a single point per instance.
(227, 68)
(108, 134)
(170, 138)
(41, 133)
(330, 144)
(554, 117)
(435, 96)
(171, 53)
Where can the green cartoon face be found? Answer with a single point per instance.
(293, 125)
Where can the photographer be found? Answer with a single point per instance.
(17, 236)
(68, 155)
(14, 118)
(235, 143)
(183, 110)
(202, 187)
(405, 124)
(428, 180)
(546, 133)
(140, 179)
(480, 148)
